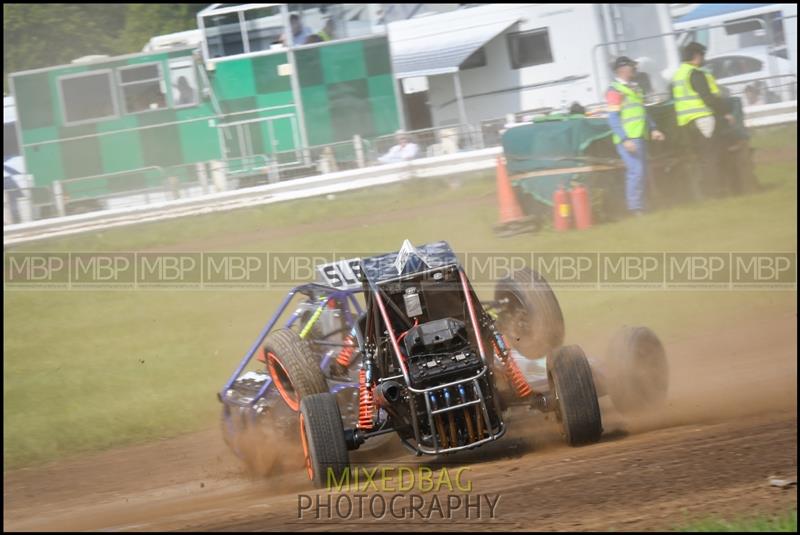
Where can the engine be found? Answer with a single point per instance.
(439, 352)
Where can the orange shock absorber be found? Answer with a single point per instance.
(346, 354)
(513, 373)
(366, 402)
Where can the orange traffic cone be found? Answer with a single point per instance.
(512, 219)
(510, 210)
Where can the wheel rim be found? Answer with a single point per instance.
(282, 381)
(304, 442)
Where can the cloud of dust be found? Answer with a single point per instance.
(741, 370)
(267, 453)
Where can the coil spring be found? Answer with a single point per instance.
(345, 356)
(366, 402)
(514, 374)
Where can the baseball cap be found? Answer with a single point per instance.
(622, 61)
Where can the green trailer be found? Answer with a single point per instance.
(249, 100)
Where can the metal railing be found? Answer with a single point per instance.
(764, 90)
(28, 204)
(96, 192)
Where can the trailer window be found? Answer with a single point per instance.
(224, 35)
(264, 27)
(87, 97)
(529, 48)
(184, 84)
(318, 23)
(142, 88)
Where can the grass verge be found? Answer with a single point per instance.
(88, 370)
(779, 523)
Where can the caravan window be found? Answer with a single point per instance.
(87, 97)
(529, 48)
(142, 88)
(184, 83)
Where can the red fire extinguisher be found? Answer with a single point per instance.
(561, 209)
(581, 206)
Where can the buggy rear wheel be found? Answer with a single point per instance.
(638, 370)
(322, 437)
(293, 368)
(578, 409)
(530, 317)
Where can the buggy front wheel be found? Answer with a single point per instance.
(578, 408)
(322, 438)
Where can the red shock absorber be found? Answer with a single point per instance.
(513, 373)
(345, 356)
(366, 402)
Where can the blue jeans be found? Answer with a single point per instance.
(635, 174)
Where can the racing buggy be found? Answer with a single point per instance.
(399, 343)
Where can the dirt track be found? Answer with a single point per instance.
(731, 423)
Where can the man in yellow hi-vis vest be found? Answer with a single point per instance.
(699, 109)
(631, 127)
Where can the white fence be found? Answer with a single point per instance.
(271, 193)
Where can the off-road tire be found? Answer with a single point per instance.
(638, 370)
(322, 437)
(578, 408)
(293, 367)
(531, 321)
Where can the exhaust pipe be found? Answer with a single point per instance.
(388, 393)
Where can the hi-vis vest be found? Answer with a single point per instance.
(632, 112)
(688, 104)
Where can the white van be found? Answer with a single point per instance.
(748, 44)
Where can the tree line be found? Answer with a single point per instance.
(43, 35)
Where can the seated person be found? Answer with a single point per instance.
(326, 33)
(185, 92)
(403, 151)
(300, 32)
(753, 95)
